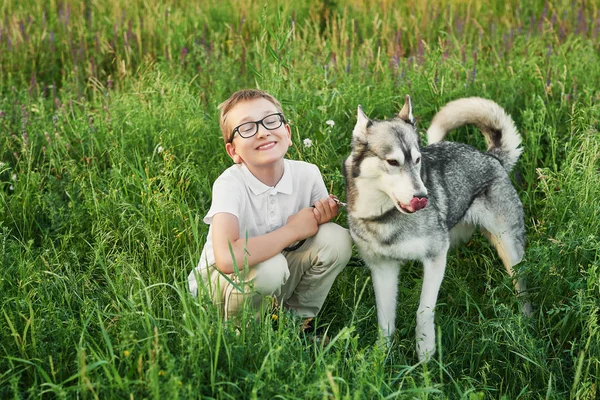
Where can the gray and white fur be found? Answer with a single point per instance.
(407, 202)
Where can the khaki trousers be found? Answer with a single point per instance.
(299, 279)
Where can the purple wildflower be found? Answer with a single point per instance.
(24, 119)
(32, 84)
(184, 53)
(581, 22)
(474, 71)
(542, 18)
(242, 21)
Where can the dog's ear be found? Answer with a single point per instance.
(362, 122)
(406, 113)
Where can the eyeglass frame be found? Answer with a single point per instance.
(256, 123)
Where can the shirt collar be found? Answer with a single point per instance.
(285, 184)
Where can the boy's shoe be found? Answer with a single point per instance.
(316, 333)
(308, 326)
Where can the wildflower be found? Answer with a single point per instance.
(330, 122)
(11, 187)
(160, 149)
(14, 177)
(161, 373)
(274, 317)
(126, 353)
(184, 52)
(307, 142)
(2, 164)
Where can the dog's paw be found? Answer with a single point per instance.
(384, 342)
(527, 309)
(425, 348)
(425, 354)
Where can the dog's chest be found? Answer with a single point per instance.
(396, 241)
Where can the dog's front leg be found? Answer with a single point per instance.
(384, 274)
(433, 274)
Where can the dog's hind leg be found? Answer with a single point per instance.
(433, 274)
(500, 216)
(510, 250)
(384, 275)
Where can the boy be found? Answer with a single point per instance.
(264, 207)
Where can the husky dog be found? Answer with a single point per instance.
(407, 202)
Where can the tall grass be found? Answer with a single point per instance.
(109, 144)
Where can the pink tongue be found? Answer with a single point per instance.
(418, 203)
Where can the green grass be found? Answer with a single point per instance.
(109, 144)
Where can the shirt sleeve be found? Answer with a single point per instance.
(319, 191)
(226, 197)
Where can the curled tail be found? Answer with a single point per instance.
(497, 126)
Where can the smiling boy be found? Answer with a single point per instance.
(270, 212)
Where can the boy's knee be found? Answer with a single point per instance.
(337, 241)
(271, 275)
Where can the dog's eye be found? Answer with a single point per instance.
(418, 160)
(393, 163)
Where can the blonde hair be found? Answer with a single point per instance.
(239, 97)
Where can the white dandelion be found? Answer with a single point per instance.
(307, 142)
(160, 149)
(330, 122)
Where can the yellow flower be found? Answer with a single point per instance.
(126, 353)
(161, 373)
(274, 317)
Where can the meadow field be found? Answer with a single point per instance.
(110, 143)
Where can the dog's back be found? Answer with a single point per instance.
(455, 174)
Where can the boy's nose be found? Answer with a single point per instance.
(262, 131)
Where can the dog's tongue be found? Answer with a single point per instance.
(418, 203)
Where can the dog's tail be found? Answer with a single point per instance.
(500, 133)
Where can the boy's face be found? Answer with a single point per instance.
(266, 147)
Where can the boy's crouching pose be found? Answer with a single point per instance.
(264, 206)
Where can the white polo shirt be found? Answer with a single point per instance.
(260, 209)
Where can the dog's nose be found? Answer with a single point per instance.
(418, 202)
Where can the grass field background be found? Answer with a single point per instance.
(109, 144)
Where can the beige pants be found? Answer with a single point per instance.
(299, 279)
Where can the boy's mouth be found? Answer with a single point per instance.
(266, 146)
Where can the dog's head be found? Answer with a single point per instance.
(386, 162)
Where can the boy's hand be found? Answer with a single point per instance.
(303, 223)
(325, 209)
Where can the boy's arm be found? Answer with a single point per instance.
(225, 230)
(327, 208)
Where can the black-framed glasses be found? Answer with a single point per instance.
(249, 129)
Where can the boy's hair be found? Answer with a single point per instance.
(235, 99)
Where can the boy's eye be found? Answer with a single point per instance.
(271, 121)
(247, 128)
